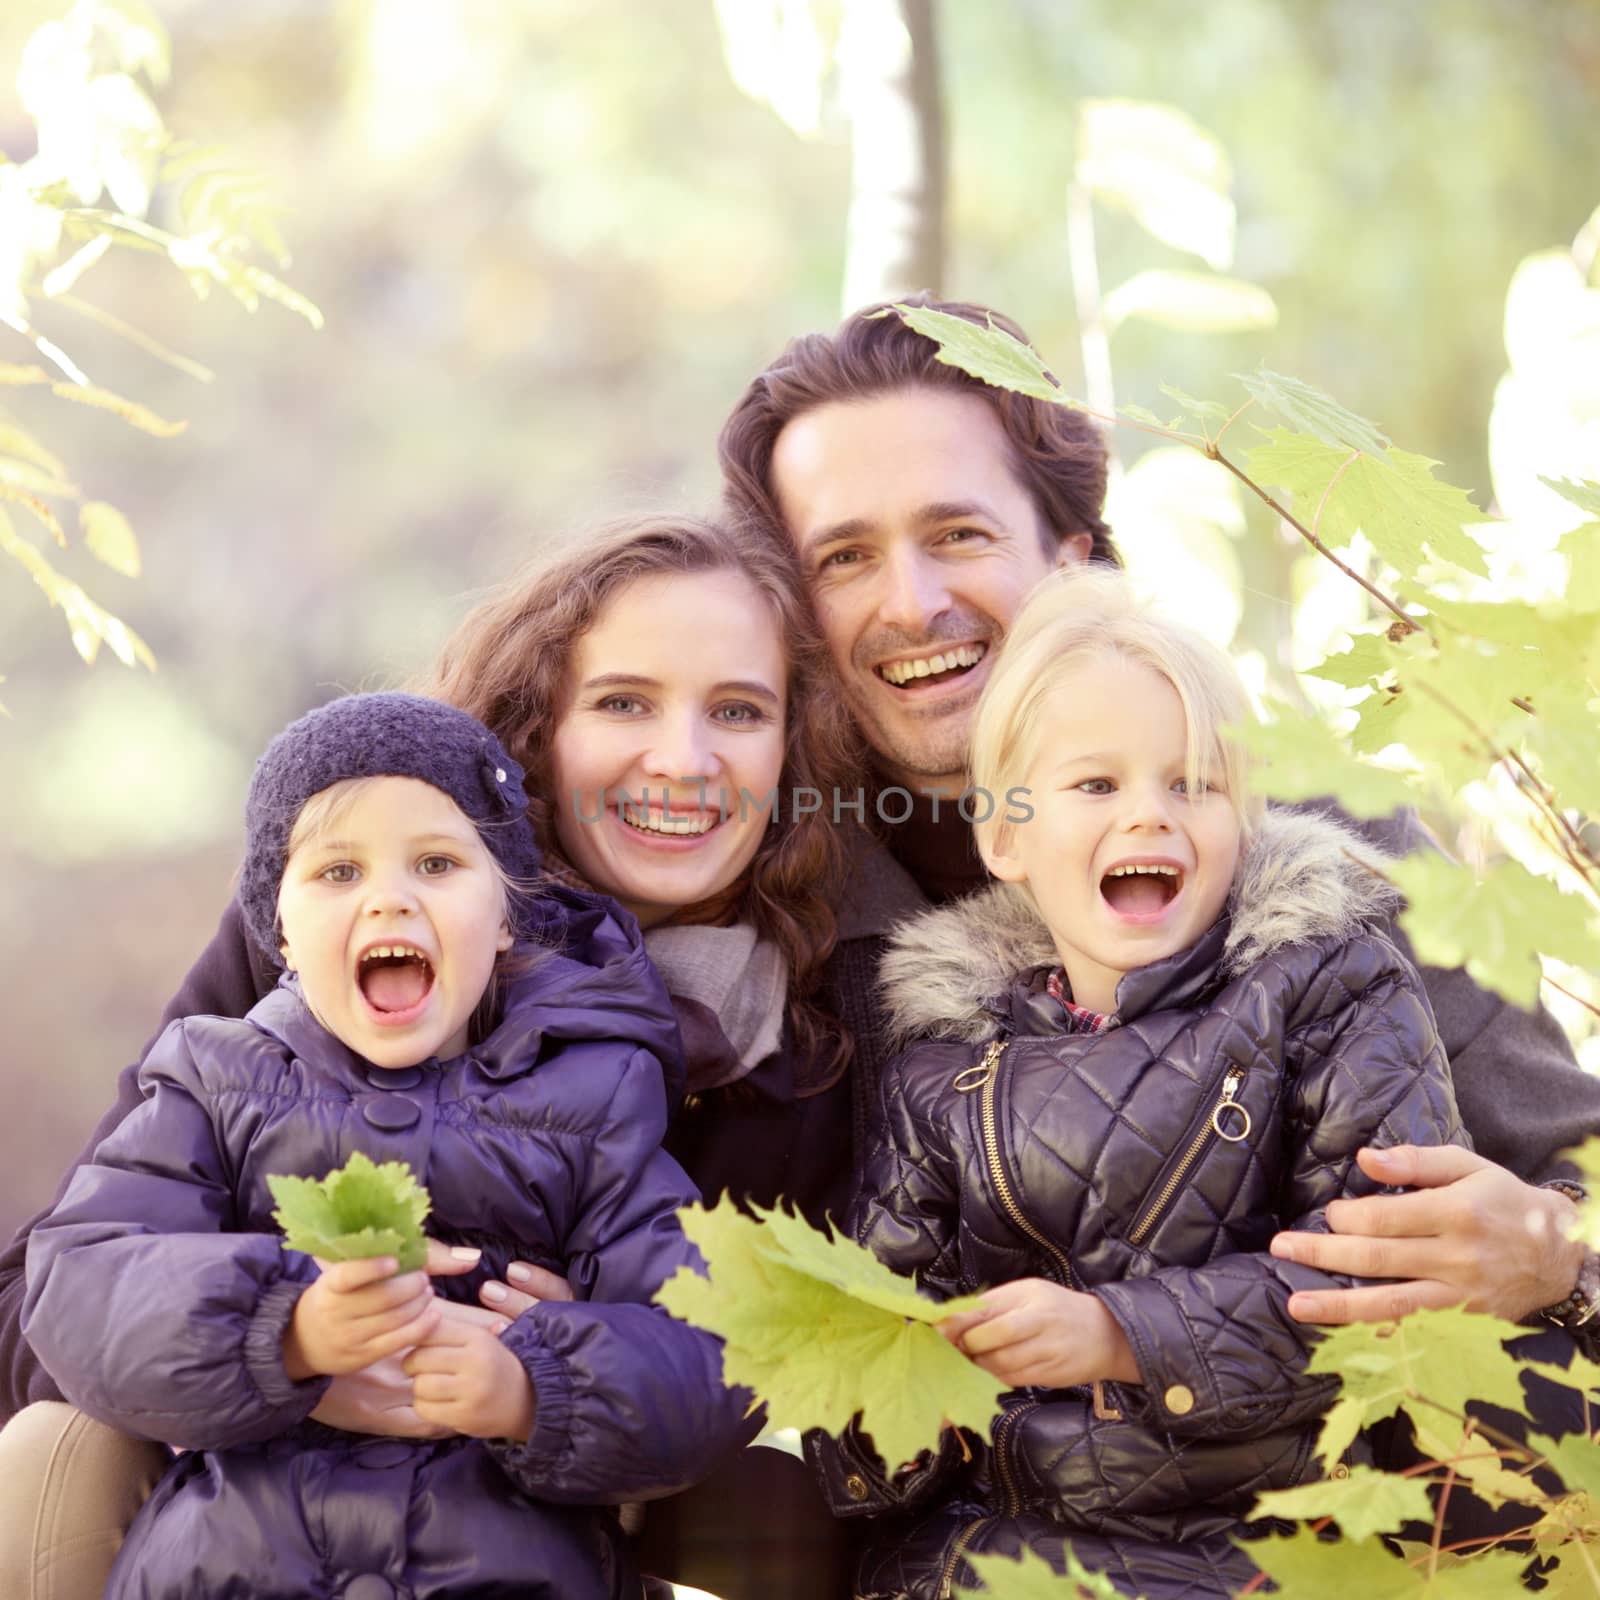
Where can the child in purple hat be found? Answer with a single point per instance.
(421, 1019)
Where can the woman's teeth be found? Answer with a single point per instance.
(899, 672)
(654, 822)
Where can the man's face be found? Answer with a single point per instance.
(920, 546)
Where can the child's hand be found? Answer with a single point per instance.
(463, 1378)
(1035, 1333)
(355, 1313)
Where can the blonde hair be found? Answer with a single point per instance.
(1079, 613)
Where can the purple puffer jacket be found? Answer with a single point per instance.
(159, 1294)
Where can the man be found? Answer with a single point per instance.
(924, 505)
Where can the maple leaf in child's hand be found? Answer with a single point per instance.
(822, 1331)
(357, 1211)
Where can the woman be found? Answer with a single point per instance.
(643, 679)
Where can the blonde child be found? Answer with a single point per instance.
(389, 859)
(1160, 1039)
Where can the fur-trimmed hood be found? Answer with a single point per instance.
(1302, 876)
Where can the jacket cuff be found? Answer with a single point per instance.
(533, 1462)
(1177, 1391)
(856, 1483)
(263, 1351)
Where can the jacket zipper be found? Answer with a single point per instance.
(958, 1549)
(985, 1077)
(1228, 1120)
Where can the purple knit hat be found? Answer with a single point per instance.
(382, 736)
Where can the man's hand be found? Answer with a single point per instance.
(355, 1313)
(378, 1399)
(1036, 1332)
(465, 1380)
(529, 1285)
(1472, 1234)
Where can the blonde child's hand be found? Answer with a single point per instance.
(463, 1378)
(1034, 1333)
(355, 1313)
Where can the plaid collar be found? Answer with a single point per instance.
(1080, 1019)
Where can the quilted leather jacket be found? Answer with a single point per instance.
(1149, 1164)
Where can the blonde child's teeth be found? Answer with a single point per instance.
(1128, 872)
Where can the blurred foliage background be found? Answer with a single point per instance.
(553, 241)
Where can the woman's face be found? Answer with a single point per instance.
(671, 742)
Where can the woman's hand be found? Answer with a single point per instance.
(1036, 1333)
(466, 1381)
(529, 1285)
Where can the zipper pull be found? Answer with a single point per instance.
(1234, 1129)
(970, 1079)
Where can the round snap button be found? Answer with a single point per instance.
(394, 1078)
(384, 1454)
(1179, 1399)
(391, 1113)
(856, 1486)
(369, 1586)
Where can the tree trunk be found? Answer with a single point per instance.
(890, 81)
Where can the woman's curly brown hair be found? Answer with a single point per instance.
(509, 664)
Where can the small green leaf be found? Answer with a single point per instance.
(1192, 302)
(1033, 1578)
(1200, 410)
(1581, 547)
(1339, 491)
(1492, 924)
(1586, 1158)
(1369, 656)
(109, 537)
(358, 1211)
(1584, 495)
(989, 354)
(1576, 1460)
(1308, 410)
(1300, 758)
(823, 1332)
(1363, 1503)
(1305, 1567)
(1144, 414)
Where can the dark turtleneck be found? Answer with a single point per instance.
(935, 845)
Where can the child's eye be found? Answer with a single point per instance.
(339, 872)
(435, 866)
(1096, 786)
(1200, 790)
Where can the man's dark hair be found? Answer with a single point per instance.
(1056, 453)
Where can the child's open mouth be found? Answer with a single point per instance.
(394, 980)
(1141, 891)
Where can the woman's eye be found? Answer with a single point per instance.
(1096, 786)
(339, 872)
(625, 704)
(838, 558)
(435, 866)
(964, 535)
(740, 715)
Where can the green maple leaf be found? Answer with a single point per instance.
(1200, 410)
(1305, 1567)
(1565, 737)
(1576, 1460)
(1369, 656)
(1582, 548)
(358, 1211)
(822, 1331)
(1033, 1578)
(1493, 923)
(1311, 411)
(1449, 1357)
(989, 354)
(1363, 1503)
(1585, 496)
(1338, 491)
(1301, 758)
